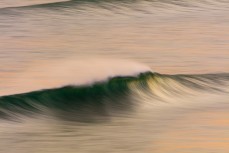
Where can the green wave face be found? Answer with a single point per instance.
(102, 100)
(75, 102)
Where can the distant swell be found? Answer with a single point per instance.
(113, 3)
(104, 99)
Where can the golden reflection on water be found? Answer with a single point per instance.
(203, 132)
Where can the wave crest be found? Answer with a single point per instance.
(113, 97)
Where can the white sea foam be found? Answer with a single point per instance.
(71, 72)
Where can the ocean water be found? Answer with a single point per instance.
(118, 76)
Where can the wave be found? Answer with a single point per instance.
(89, 103)
(83, 101)
(112, 3)
(65, 3)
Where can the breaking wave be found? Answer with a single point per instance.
(103, 99)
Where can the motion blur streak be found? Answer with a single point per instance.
(71, 79)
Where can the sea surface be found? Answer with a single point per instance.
(114, 76)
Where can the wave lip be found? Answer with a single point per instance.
(71, 72)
